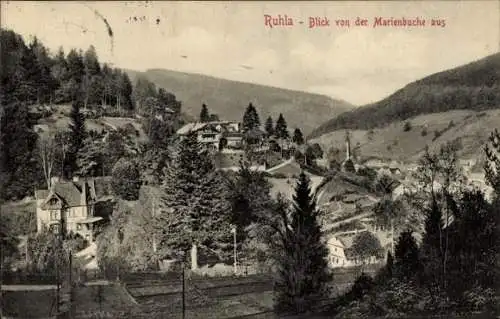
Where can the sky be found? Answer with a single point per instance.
(359, 64)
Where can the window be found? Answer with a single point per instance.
(54, 215)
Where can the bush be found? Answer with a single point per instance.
(424, 132)
(437, 134)
(407, 127)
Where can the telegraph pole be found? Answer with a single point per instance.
(183, 287)
(57, 274)
(233, 230)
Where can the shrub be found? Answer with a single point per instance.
(437, 134)
(424, 132)
(407, 127)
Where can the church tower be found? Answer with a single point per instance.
(347, 146)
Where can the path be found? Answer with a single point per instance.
(27, 287)
(290, 161)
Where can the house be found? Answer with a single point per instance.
(232, 140)
(212, 134)
(336, 255)
(71, 204)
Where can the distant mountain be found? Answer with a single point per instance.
(229, 98)
(474, 86)
(406, 140)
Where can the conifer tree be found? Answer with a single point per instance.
(432, 245)
(77, 136)
(250, 118)
(269, 127)
(281, 129)
(195, 207)
(204, 114)
(407, 255)
(298, 137)
(302, 275)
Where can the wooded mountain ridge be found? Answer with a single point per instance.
(474, 86)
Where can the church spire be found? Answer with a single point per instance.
(347, 145)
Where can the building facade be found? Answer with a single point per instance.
(69, 206)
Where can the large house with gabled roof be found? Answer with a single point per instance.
(70, 206)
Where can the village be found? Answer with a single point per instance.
(291, 176)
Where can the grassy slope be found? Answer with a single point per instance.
(475, 86)
(230, 98)
(392, 142)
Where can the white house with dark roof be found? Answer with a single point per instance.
(211, 133)
(336, 256)
(71, 204)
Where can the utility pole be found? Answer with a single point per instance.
(183, 287)
(154, 215)
(233, 230)
(57, 275)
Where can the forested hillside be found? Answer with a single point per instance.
(229, 98)
(475, 86)
(47, 88)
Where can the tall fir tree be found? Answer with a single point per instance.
(126, 91)
(195, 207)
(298, 137)
(269, 127)
(204, 114)
(302, 276)
(77, 136)
(432, 245)
(407, 255)
(251, 118)
(281, 129)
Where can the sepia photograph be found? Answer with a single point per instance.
(250, 159)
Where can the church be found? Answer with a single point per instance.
(348, 163)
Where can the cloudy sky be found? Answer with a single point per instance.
(230, 40)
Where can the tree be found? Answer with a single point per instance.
(251, 118)
(8, 240)
(204, 114)
(47, 155)
(281, 129)
(302, 275)
(91, 62)
(269, 127)
(143, 89)
(125, 93)
(90, 159)
(195, 208)
(298, 137)
(249, 196)
(313, 152)
(126, 180)
(18, 143)
(387, 209)
(492, 165)
(46, 253)
(366, 245)
(77, 136)
(76, 72)
(407, 255)
(439, 175)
